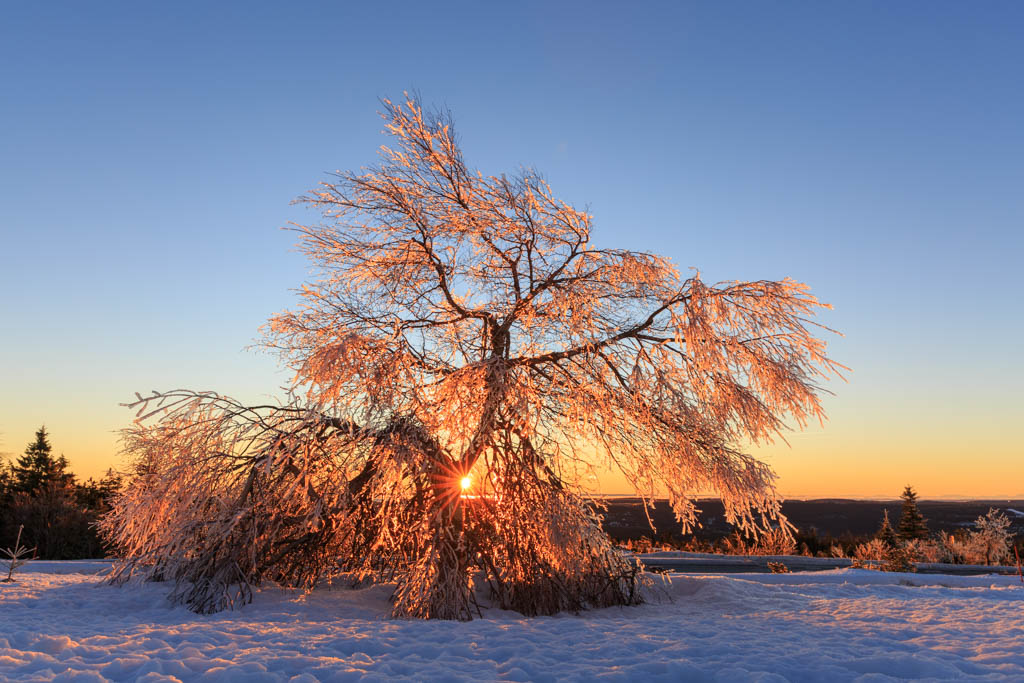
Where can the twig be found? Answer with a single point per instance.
(15, 556)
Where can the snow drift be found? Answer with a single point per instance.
(59, 624)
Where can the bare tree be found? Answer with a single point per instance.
(465, 356)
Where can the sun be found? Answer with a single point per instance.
(466, 482)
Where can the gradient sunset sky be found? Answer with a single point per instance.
(874, 150)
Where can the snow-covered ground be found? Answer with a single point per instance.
(57, 623)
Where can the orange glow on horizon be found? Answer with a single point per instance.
(864, 451)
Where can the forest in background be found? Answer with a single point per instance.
(53, 511)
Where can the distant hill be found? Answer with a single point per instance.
(835, 517)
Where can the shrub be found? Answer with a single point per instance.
(877, 555)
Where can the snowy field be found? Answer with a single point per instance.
(58, 624)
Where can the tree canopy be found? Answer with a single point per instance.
(464, 327)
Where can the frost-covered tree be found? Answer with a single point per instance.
(991, 537)
(464, 357)
(912, 523)
(885, 532)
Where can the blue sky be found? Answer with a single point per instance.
(148, 155)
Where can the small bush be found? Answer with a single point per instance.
(877, 555)
(774, 542)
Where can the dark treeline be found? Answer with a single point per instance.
(58, 512)
(956, 532)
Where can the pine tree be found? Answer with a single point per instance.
(912, 525)
(38, 468)
(6, 485)
(885, 532)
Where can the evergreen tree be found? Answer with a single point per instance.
(6, 485)
(912, 525)
(58, 515)
(5, 479)
(38, 468)
(95, 495)
(885, 532)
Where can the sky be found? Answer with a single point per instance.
(149, 154)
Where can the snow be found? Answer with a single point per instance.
(58, 623)
(704, 563)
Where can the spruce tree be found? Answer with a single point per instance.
(6, 484)
(38, 468)
(912, 524)
(6, 477)
(885, 532)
